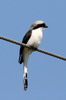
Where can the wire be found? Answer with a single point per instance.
(39, 50)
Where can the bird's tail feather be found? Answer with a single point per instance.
(25, 82)
(25, 77)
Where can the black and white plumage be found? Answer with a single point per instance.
(32, 38)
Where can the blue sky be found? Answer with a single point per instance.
(47, 75)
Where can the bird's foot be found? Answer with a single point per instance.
(34, 48)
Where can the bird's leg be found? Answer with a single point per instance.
(34, 48)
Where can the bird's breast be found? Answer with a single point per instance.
(35, 38)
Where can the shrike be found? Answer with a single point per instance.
(32, 38)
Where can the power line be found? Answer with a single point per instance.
(39, 50)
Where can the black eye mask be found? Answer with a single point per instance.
(40, 25)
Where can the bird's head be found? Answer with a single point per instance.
(38, 24)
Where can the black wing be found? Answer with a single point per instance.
(25, 40)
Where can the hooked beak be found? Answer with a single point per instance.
(46, 26)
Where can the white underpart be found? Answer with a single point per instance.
(34, 41)
(35, 38)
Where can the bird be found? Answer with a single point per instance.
(33, 39)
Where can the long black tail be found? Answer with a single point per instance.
(25, 82)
